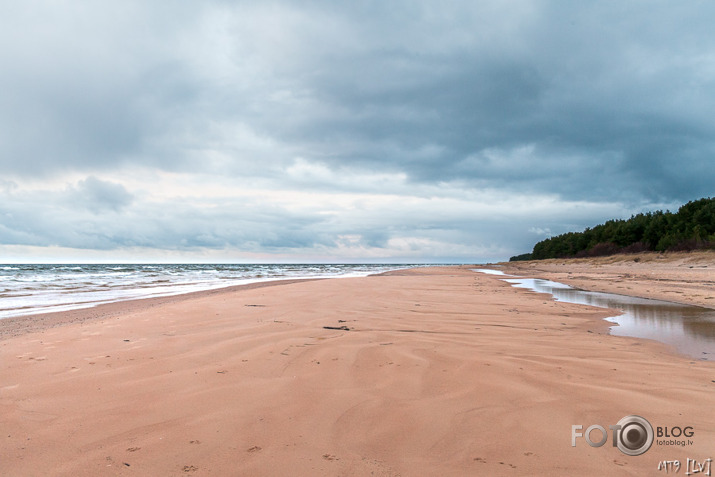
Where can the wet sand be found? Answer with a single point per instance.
(441, 371)
(687, 278)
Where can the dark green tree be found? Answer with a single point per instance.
(693, 226)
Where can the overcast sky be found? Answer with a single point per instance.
(381, 131)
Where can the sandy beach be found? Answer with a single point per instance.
(687, 278)
(427, 371)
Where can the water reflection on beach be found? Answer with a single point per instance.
(690, 329)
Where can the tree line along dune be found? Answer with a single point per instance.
(692, 227)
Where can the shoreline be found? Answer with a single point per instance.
(686, 327)
(440, 371)
(599, 274)
(34, 322)
(37, 322)
(687, 278)
(41, 289)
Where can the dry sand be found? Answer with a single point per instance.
(443, 371)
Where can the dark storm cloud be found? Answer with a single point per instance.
(628, 90)
(406, 86)
(607, 104)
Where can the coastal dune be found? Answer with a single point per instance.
(427, 371)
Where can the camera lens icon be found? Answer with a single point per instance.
(635, 435)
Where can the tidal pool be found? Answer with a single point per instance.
(689, 329)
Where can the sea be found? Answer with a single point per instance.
(32, 288)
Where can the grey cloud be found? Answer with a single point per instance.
(418, 228)
(373, 86)
(97, 214)
(593, 103)
(583, 93)
(87, 90)
(99, 196)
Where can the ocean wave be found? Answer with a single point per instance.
(41, 288)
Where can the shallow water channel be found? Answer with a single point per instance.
(690, 329)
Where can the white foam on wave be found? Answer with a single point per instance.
(32, 289)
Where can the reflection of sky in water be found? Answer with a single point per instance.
(690, 329)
